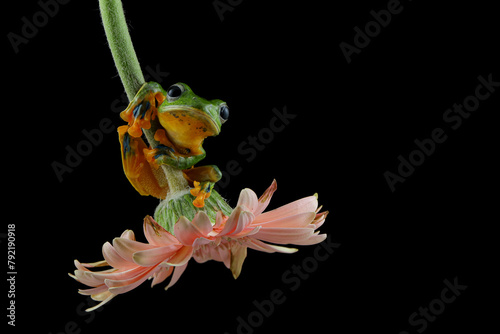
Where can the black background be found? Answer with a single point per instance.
(351, 123)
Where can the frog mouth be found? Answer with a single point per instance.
(191, 119)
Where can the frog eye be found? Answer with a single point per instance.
(223, 113)
(174, 92)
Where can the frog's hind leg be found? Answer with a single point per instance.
(143, 177)
(143, 108)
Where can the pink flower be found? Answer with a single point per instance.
(226, 241)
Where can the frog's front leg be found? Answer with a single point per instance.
(203, 179)
(143, 108)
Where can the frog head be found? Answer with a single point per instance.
(188, 119)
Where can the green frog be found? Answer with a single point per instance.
(180, 121)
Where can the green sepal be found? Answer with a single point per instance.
(171, 209)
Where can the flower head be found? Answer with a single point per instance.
(225, 240)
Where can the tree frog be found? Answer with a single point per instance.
(180, 121)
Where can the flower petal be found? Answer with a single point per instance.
(245, 219)
(265, 199)
(306, 204)
(177, 274)
(316, 238)
(150, 257)
(219, 219)
(202, 254)
(99, 297)
(80, 266)
(156, 234)
(186, 232)
(126, 247)
(202, 223)
(87, 278)
(248, 198)
(238, 255)
(114, 259)
(283, 235)
(181, 257)
(162, 274)
(93, 291)
(320, 219)
(108, 298)
(247, 232)
(128, 234)
(121, 286)
(267, 248)
(117, 274)
(102, 263)
(200, 242)
(221, 253)
(237, 221)
(297, 221)
(231, 222)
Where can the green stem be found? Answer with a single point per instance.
(126, 62)
(121, 46)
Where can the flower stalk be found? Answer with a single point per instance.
(121, 46)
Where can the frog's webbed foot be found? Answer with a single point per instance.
(143, 108)
(201, 191)
(203, 179)
(145, 179)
